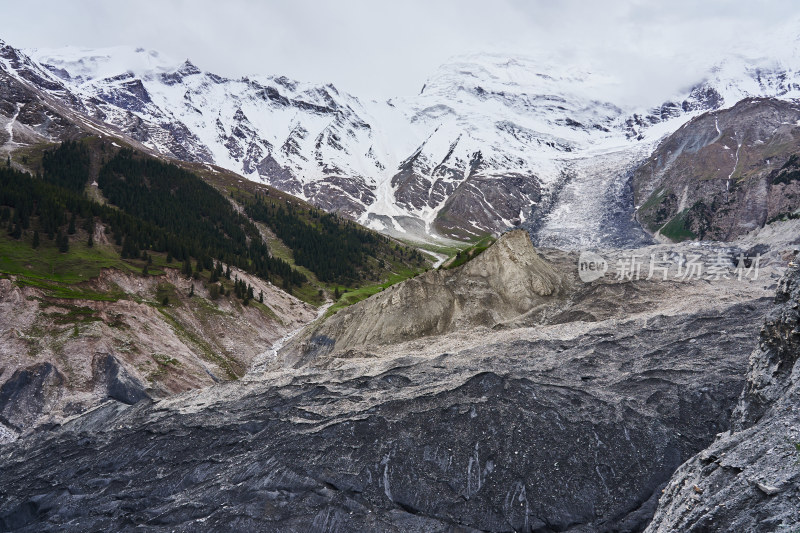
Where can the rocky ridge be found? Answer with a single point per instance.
(507, 280)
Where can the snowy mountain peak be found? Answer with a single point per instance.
(518, 74)
(188, 68)
(489, 142)
(87, 64)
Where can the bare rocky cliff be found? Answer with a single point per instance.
(749, 478)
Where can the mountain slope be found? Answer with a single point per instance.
(127, 277)
(724, 173)
(93, 306)
(488, 143)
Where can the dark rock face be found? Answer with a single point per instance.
(483, 202)
(749, 479)
(130, 95)
(423, 183)
(702, 97)
(578, 434)
(32, 113)
(340, 194)
(473, 200)
(120, 384)
(280, 177)
(27, 392)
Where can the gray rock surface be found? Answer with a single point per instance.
(749, 478)
(537, 429)
(29, 392)
(120, 384)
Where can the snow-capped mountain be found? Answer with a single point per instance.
(489, 142)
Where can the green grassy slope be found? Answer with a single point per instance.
(376, 260)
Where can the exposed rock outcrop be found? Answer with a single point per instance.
(28, 393)
(121, 386)
(507, 280)
(749, 478)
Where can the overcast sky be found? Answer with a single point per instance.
(388, 48)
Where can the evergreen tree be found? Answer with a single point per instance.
(129, 248)
(71, 228)
(35, 239)
(62, 241)
(187, 269)
(88, 224)
(261, 296)
(191, 290)
(213, 291)
(90, 242)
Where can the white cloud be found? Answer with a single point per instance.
(390, 48)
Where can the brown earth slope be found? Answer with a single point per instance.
(59, 356)
(724, 173)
